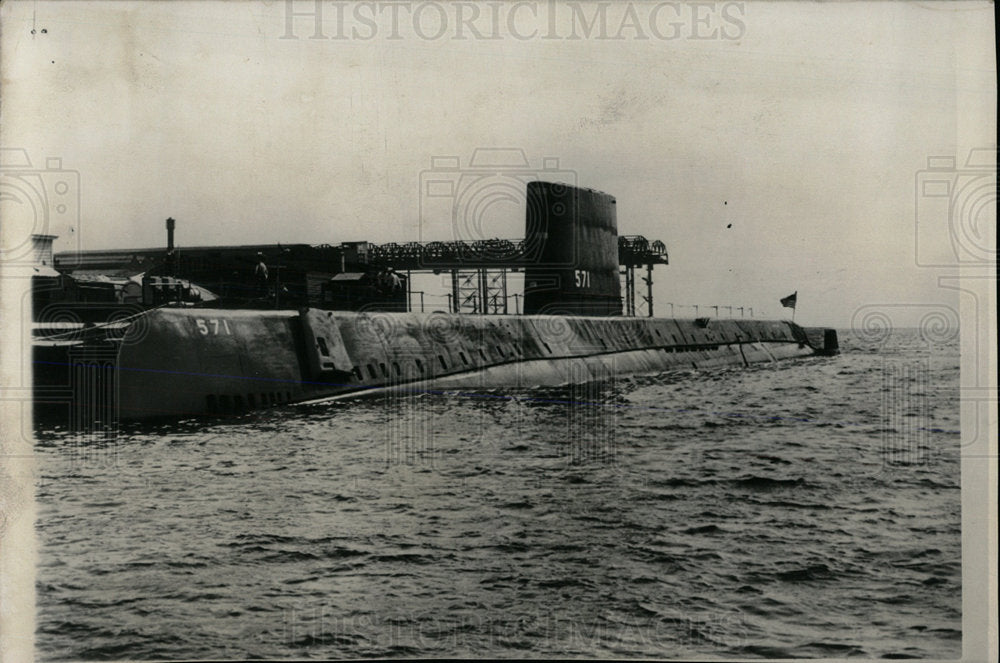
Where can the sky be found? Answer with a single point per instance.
(773, 147)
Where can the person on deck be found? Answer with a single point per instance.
(394, 280)
(260, 275)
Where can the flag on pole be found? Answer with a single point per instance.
(789, 301)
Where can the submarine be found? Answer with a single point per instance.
(178, 360)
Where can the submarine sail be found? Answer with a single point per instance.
(572, 238)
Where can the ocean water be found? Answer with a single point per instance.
(808, 508)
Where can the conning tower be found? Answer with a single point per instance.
(571, 233)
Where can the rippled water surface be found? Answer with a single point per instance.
(808, 508)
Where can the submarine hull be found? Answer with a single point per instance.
(188, 361)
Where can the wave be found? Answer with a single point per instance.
(754, 482)
(805, 574)
(704, 529)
